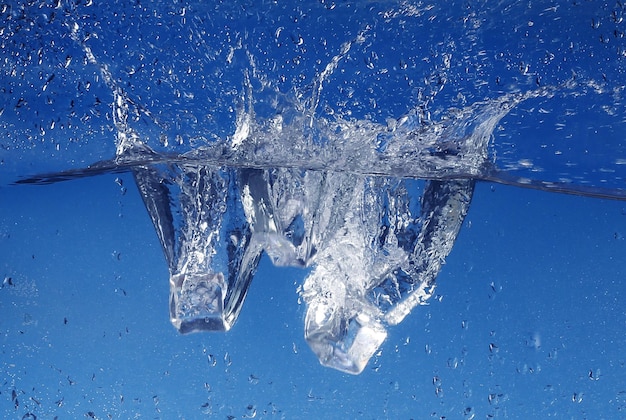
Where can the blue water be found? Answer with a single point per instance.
(528, 317)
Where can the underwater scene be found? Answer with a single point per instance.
(351, 209)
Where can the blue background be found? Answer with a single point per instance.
(529, 316)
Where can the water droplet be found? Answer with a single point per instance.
(8, 281)
(206, 408)
(298, 40)
(534, 341)
(453, 363)
(212, 360)
(595, 23)
(250, 412)
(524, 68)
(495, 287)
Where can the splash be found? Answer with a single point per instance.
(374, 208)
(342, 196)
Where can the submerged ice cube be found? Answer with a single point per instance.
(376, 244)
(343, 343)
(197, 302)
(206, 238)
(378, 264)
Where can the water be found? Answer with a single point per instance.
(353, 154)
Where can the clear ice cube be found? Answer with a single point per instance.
(207, 240)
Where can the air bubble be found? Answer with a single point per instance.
(250, 412)
(212, 360)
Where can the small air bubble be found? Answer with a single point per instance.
(250, 412)
(206, 408)
(595, 24)
(453, 363)
(212, 360)
(437, 385)
(524, 68)
(298, 40)
(436, 381)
